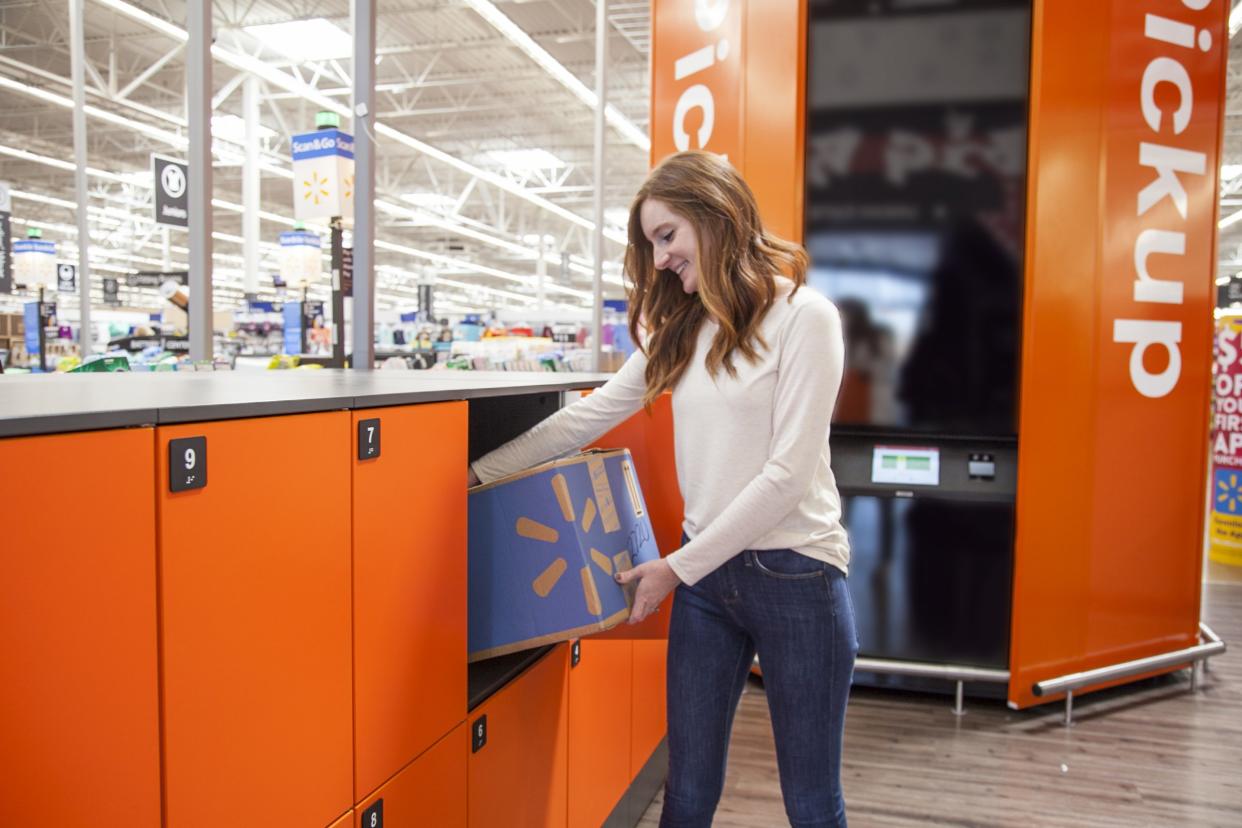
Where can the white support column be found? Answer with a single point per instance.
(77, 52)
(251, 185)
(364, 185)
(601, 100)
(541, 274)
(198, 103)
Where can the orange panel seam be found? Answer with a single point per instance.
(406, 766)
(159, 621)
(350, 438)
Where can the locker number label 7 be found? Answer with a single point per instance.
(187, 463)
(368, 439)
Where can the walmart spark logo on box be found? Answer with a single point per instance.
(544, 545)
(323, 174)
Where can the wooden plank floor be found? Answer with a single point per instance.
(1149, 754)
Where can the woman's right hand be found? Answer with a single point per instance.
(472, 479)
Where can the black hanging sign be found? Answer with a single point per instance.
(6, 239)
(172, 197)
(6, 255)
(110, 291)
(66, 277)
(347, 271)
(155, 278)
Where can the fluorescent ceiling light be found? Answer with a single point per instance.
(1232, 218)
(628, 129)
(617, 216)
(288, 83)
(431, 201)
(302, 40)
(525, 160)
(233, 128)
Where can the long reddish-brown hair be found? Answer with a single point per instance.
(738, 263)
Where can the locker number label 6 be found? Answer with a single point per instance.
(373, 817)
(187, 463)
(368, 439)
(478, 734)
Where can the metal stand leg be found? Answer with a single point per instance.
(1196, 675)
(958, 709)
(1069, 708)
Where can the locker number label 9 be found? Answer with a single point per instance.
(187, 463)
(373, 817)
(368, 439)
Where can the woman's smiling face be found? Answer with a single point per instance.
(674, 246)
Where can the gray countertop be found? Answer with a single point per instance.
(49, 404)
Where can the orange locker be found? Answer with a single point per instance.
(255, 607)
(599, 729)
(429, 791)
(79, 697)
(346, 821)
(518, 775)
(409, 536)
(649, 708)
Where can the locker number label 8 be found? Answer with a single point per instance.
(368, 439)
(373, 817)
(187, 463)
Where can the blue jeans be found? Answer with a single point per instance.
(796, 613)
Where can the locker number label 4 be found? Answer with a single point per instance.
(187, 463)
(373, 817)
(478, 734)
(368, 439)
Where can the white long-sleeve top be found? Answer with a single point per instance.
(751, 451)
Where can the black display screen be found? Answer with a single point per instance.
(918, 597)
(915, 191)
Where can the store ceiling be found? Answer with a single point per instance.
(451, 75)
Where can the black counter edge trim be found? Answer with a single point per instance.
(71, 423)
(521, 390)
(406, 398)
(642, 791)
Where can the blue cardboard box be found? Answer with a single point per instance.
(544, 545)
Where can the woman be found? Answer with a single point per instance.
(754, 362)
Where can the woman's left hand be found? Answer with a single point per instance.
(656, 579)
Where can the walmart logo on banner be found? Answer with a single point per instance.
(1227, 494)
(323, 174)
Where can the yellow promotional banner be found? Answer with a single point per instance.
(1226, 518)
